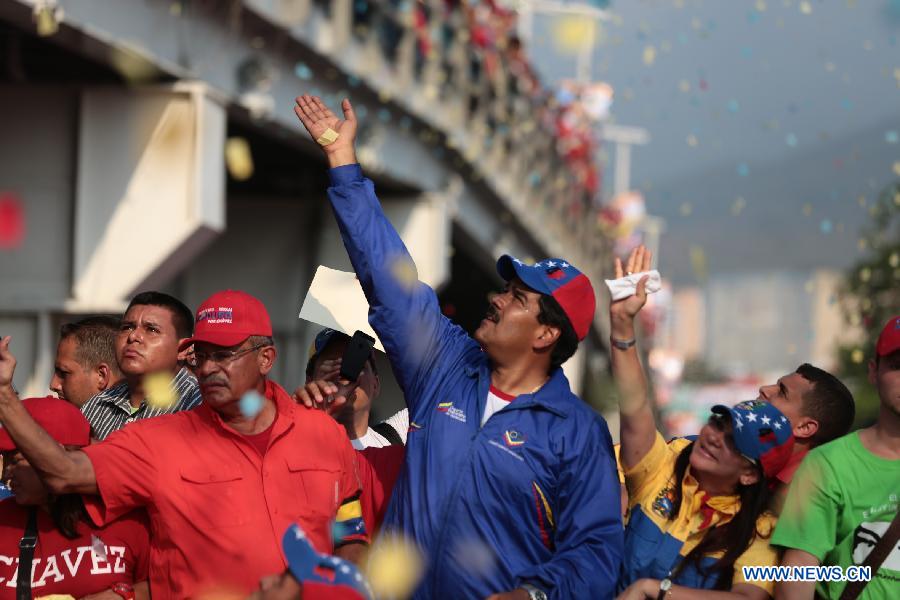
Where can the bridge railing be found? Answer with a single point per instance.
(462, 69)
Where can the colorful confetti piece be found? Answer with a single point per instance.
(649, 56)
(302, 71)
(251, 404)
(238, 158)
(394, 567)
(159, 392)
(12, 221)
(404, 271)
(572, 34)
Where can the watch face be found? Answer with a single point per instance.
(665, 585)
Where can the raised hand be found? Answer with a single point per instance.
(7, 362)
(638, 261)
(332, 397)
(318, 119)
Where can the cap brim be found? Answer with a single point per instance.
(217, 339)
(507, 268)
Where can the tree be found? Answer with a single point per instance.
(870, 295)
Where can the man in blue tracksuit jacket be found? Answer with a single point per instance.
(522, 505)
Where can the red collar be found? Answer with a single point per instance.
(786, 474)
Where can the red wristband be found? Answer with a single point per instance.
(123, 589)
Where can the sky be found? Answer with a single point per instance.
(773, 123)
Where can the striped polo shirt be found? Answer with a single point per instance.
(111, 409)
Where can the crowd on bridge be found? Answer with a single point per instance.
(169, 464)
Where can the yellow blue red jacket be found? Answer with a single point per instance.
(531, 497)
(656, 544)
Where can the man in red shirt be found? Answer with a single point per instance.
(221, 482)
(71, 555)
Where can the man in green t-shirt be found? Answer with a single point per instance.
(846, 493)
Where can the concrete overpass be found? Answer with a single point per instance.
(115, 129)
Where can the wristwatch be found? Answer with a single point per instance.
(123, 589)
(664, 586)
(622, 344)
(533, 592)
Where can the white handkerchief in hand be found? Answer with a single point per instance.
(627, 286)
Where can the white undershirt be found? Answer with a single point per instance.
(496, 401)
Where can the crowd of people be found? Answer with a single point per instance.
(224, 485)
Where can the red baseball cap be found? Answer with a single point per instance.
(889, 340)
(62, 420)
(229, 317)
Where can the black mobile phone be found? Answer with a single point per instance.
(355, 356)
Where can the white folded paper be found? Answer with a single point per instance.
(626, 286)
(335, 299)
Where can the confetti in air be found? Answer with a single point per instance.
(572, 34)
(98, 547)
(238, 158)
(251, 403)
(47, 15)
(404, 271)
(394, 567)
(302, 71)
(159, 392)
(12, 221)
(699, 264)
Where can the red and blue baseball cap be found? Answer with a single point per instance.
(557, 278)
(889, 339)
(761, 433)
(229, 317)
(310, 568)
(62, 420)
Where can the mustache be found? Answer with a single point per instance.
(213, 380)
(492, 314)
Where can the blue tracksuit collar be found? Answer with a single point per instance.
(549, 397)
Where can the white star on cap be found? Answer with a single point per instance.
(739, 423)
(518, 262)
(751, 417)
(783, 419)
(550, 263)
(766, 420)
(335, 560)
(777, 425)
(345, 569)
(298, 533)
(536, 265)
(565, 265)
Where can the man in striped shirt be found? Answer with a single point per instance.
(147, 344)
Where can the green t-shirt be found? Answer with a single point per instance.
(841, 500)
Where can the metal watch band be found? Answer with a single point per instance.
(664, 587)
(533, 592)
(622, 344)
